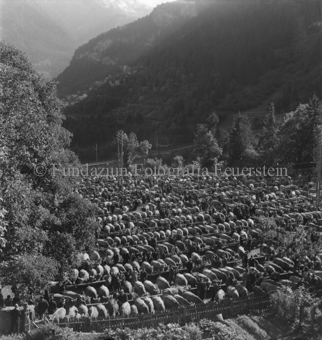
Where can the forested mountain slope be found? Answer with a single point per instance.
(164, 73)
(50, 31)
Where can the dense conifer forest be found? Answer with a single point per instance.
(163, 74)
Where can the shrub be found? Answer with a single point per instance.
(44, 333)
(286, 303)
(251, 326)
(51, 332)
(193, 331)
(12, 337)
(161, 332)
(216, 330)
(225, 330)
(154, 162)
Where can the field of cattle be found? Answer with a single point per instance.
(182, 249)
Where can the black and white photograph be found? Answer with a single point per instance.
(161, 169)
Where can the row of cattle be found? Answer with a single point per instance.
(125, 233)
(151, 298)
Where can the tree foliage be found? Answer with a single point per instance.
(241, 141)
(206, 146)
(179, 72)
(36, 202)
(297, 135)
(178, 161)
(162, 332)
(29, 271)
(286, 303)
(268, 137)
(299, 240)
(133, 148)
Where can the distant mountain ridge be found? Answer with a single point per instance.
(129, 7)
(49, 31)
(163, 74)
(122, 46)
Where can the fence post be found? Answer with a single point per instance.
(231, 306)
(89, 324)
(27, 322)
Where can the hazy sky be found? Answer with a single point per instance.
(154, 3)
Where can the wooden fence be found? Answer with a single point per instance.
(228, 308)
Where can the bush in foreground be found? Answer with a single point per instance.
(13, 337)
(161, 332)
(51, 332)
(250, 326)
(286, 303)
(223, 330)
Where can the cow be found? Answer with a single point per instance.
(242, 290)
(102, 311)
(220, 275)
(126, 309)
(171, 291)
(112, 307)
(149, 303)
(162, 283)
(83, 310)
(182, 301)
(83, 275)
(127, 287)
(59, 315)
(191, 297)
(192, 281)
(91, 292)
(147, 267)
(170, 301)
(184, 258)
(141, 306)
(158, 303)
(139, 288)
(72, 312)
(134, 310)
(93, 312)
(103, 292)
(92, 274)
(220, 295)
(211, 275)
(73, 275)
(232, 292)
(181, 280)
(150, 287)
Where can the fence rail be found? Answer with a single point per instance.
(229, 308)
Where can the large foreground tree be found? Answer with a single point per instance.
(37, 203)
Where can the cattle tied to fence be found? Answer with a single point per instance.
(176, 242)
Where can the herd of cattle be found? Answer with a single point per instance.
(163, 239)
